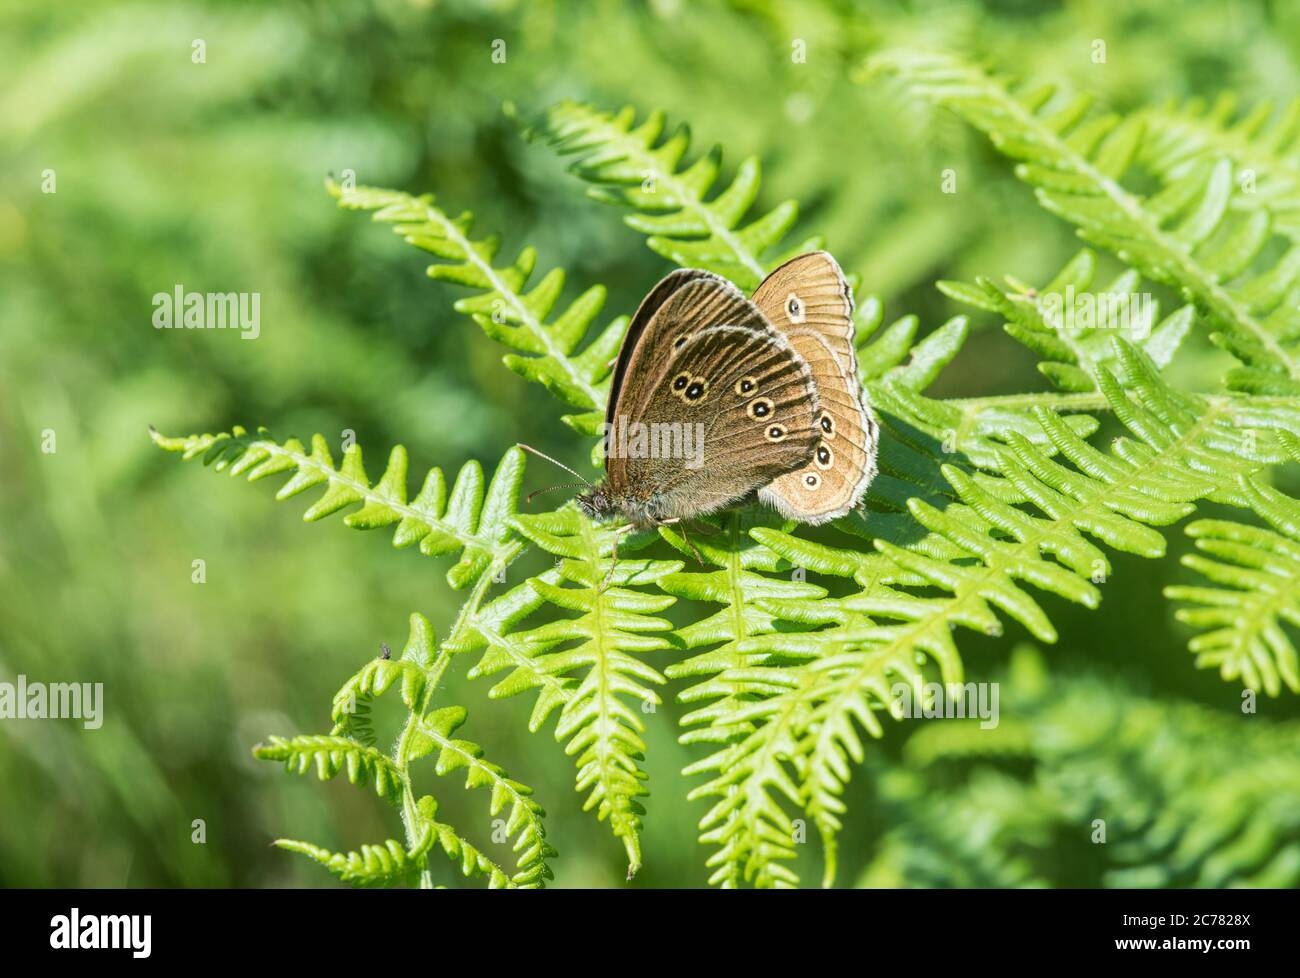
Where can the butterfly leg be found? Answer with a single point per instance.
(682, 527)
(618, 534)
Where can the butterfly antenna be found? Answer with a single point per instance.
(529, 448)
(563, 485)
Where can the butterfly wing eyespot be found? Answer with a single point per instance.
(681, 382)
(827, 425)
(745, 386)
(794, 308)
(681, 341)
(776, 433)
(824, 456)
(696, 390)
(760, 407)
(812, 480)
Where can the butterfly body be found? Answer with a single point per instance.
(718, 399)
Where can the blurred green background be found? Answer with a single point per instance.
(210, 176)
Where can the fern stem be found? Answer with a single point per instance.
(621, 819)
(686, 197)
(512, 298)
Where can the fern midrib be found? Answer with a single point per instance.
(634, 150)
(368, 494)
(402, 757)
(621, 819)
(739, 630)
(1214, 296)
(516, 303)
(518, 799)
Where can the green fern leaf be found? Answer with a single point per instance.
(1254, 594)
(1264, 146)
(330, 755)
(629, 165)
(473, 521)
(585, 666)
(524, 821)
(809, 692)
(504, 306)
(388, 864)
(1070, 327)
(1187, 236)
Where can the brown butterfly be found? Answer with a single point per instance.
(717, 398)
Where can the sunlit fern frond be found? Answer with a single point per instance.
(429, 731)
(791, 703)
(1187, 235)
(1262, 142)
(584, 662)
(473, 521)
(1248, 611)
(516, 314)
(631, 164)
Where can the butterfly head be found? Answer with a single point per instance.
(602, 503)
(597, 502)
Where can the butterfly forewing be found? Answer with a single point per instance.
(809, 301)
(645, 314)
(710, 371)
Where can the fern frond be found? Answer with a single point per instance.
(1187, 797)
(1187, 236)
(329, 755)
(387, 864)
(505, 306)
(473, 862)
(1070, 327)
(417, 672)
(630, 165)
(473, 522)
(1253, 595)
(524, 822)
(585, 666)
(351, 709)
(809, 692)
(1263, 144)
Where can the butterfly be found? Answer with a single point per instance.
(717, 399)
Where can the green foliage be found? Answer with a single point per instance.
(418, 673)
(798, 733)
(599, 707)
(474, 521)
(504, 306)
(1189, 235)
(1254, 593)
(1180, 797)
(1038, 318)
(985, 509)
(630, 165)
(1264, 146)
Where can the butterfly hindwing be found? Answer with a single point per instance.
(809, 301)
